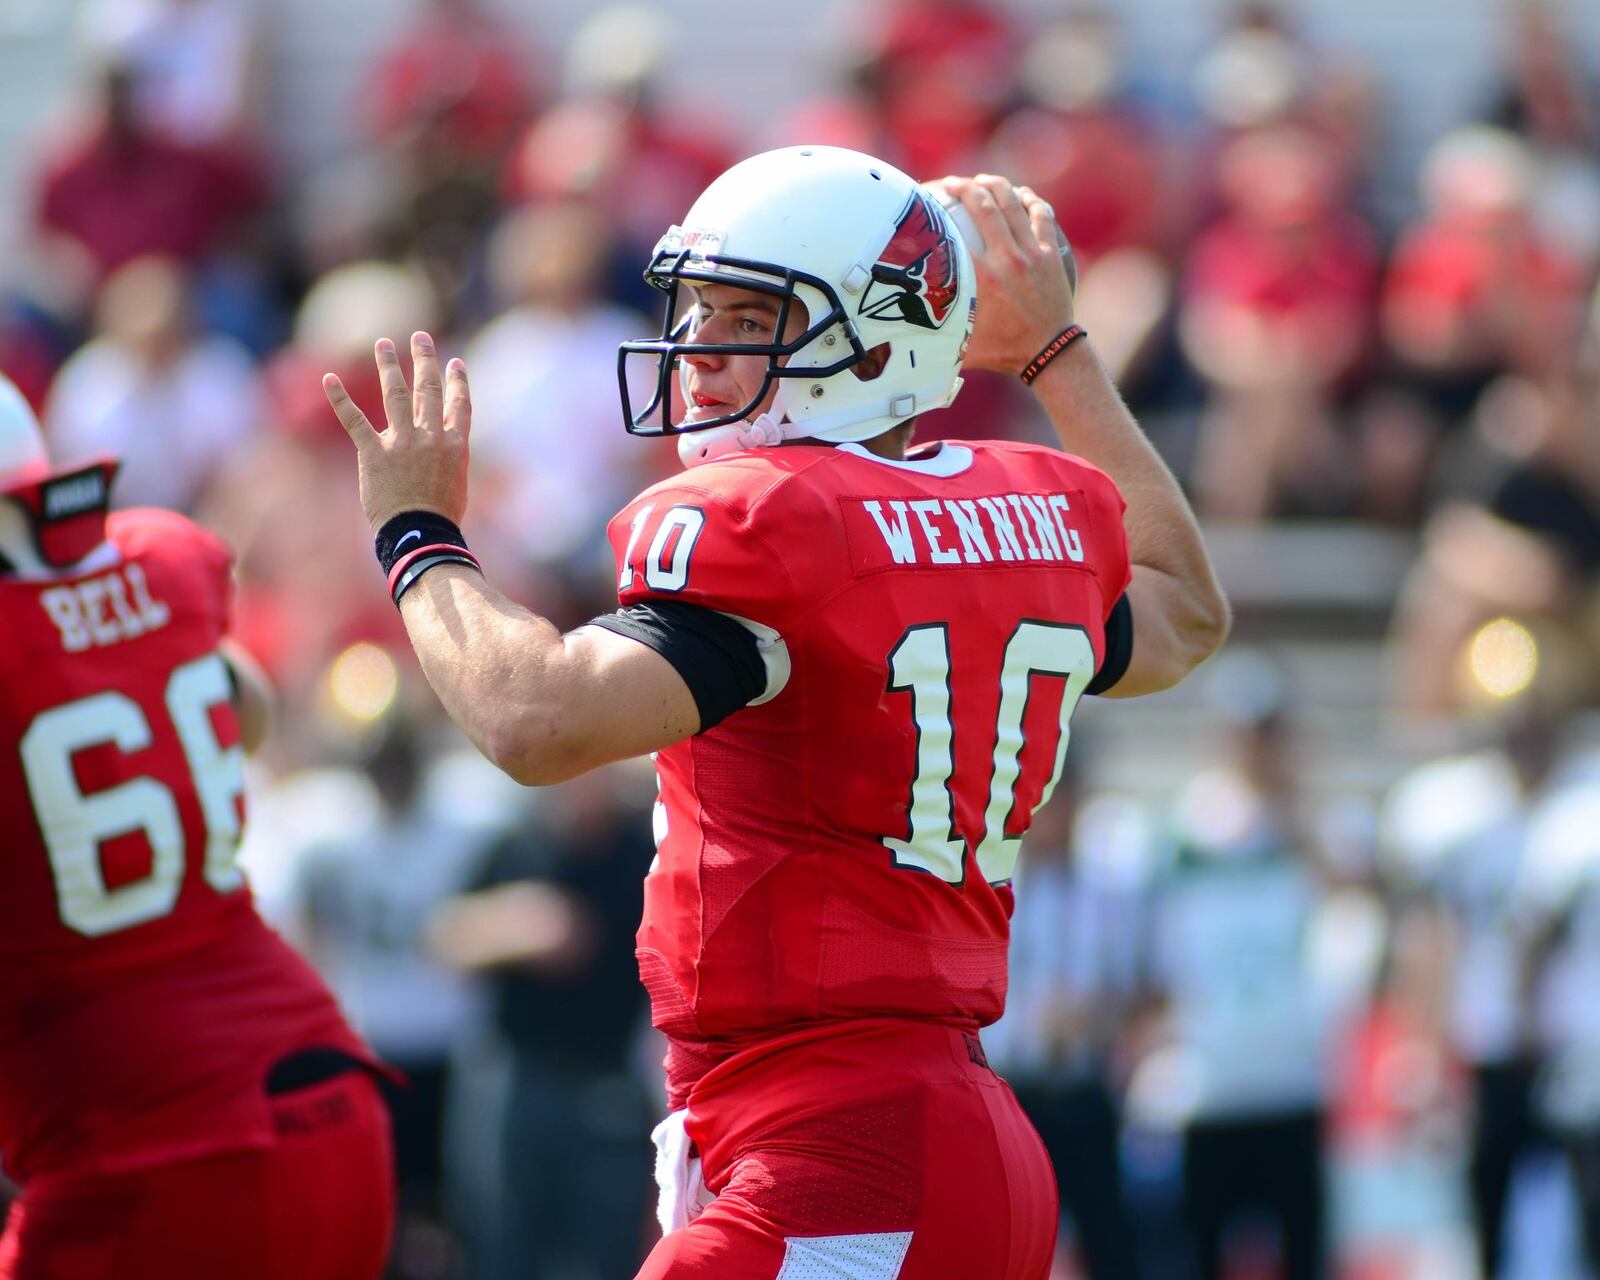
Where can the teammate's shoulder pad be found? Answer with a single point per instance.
(145, 529)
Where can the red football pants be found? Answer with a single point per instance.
(878, 1151)
(316, 1205)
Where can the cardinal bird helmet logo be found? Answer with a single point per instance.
(916, 278)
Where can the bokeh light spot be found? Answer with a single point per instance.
(363, 681)
(1503, 658)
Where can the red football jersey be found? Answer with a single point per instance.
(141, 997)
(844, 848)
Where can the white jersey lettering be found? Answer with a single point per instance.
(973, 543)
(104, 610)
(926, 508)
(896, 537)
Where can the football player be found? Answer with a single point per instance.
(180, 1097)
(855, 663)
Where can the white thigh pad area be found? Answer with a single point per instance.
(876, 1255)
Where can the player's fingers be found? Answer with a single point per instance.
(1010, 205)
(427, 402)
(348, 412)
(457, 398)
(1041, 217)
(396, 396)
(1030, 198)
(986, 213)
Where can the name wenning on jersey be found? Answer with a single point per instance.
(1006, 527)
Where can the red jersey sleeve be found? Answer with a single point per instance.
(1108, 534)
(712, 539)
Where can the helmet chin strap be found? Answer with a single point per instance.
(696, 448)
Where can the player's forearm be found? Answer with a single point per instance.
(496, 668)
(541, 705)
(1090, 420)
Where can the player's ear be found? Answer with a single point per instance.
(872, 364)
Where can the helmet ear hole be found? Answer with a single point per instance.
(873, 364)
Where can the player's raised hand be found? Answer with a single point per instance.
(1024, 295)
(419, 463)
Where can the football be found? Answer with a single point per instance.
(974, 238)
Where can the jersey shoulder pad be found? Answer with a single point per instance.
(185, 556)
(1080, 472)
(145, 530)
(726, 536)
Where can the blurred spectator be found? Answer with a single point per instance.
(37, 330)
(457, 73)
(1081, 142)
(175, 404)
(1393, 443)
(304, 556)
(1260, 74)
(1525, 542)
(552, 461)
(446, 102)
(939, 73)
(1275, 311)
(618, 140)
(1400, 1117)
(1551, 100)
(195, 65)
(116, 189)
(1559, 895)
(357, 896)
(550, 924)
(1473, 289)
(1547, 95)
(1460, 829)
(1233, 930)
(1256, 72)
(1075, 978)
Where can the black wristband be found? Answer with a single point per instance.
(415, 541)
(411, 530)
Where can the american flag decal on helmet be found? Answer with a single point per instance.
(917, 276)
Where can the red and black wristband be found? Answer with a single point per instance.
(1050, 351)
(415, 541)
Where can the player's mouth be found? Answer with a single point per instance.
(704, 406)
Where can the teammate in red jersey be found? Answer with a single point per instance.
(856, 666)
(179, 1095)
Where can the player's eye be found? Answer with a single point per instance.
(752, 326)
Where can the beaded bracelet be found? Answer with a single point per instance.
(1051, 350)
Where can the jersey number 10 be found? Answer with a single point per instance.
(75, 824)
(919, 664)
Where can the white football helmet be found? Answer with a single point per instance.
(869, 253)
(22, 455)
(50, 517)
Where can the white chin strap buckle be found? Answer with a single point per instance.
(696, 448)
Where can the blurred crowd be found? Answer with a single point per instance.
(1274, 1032)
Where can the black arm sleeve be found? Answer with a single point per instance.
(1119, 646)
(717, 657)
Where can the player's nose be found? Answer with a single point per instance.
(706, 361)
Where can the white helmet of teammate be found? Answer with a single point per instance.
(871, 255)
(22, 455)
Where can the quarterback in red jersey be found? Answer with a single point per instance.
(855, 665)
(179, 1095)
